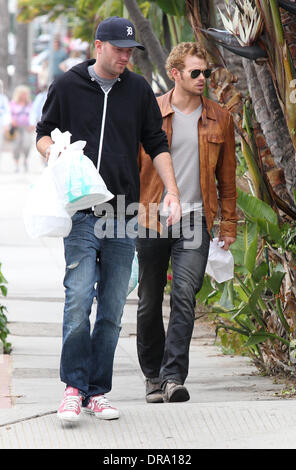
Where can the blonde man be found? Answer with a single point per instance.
(201, 139)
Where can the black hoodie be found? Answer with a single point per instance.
(75, 103)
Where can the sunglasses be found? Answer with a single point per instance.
(206, 73)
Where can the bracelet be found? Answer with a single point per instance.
(173, 194)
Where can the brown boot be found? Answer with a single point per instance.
(154, 392)
(174, 392)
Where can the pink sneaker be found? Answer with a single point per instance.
(71, 405)
(101, 408)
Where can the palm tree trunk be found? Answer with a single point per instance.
(280, 61)
(149, 39)
(271, 119)
(223, 83)
(166, 33)
(289, 25)
(142, 61)
(21, 74)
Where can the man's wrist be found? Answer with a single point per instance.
(174, 194)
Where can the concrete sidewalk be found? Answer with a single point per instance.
(231, 405)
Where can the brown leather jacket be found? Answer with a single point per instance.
(217, 163)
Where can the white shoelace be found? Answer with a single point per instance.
(72, 403)
(102, 401)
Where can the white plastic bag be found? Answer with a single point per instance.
(44, 214)
(78, 181)
(134, 275)
(220, 264)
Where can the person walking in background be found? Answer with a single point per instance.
(74, 58)
(43, 75)
(37, 106)
(113, 110)
(59, 54)
(201, 139)
(36, 112)
(20, 108)
(5, 115)
(77, 55)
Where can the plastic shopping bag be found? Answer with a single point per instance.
(134, 275)
(220, 264)
(78, 181)
(44, 214)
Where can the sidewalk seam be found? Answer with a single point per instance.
(47, 413)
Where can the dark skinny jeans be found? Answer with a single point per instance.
(167, 355)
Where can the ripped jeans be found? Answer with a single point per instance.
(95, 267)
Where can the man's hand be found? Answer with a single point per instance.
(171, 205)
(43, 146)
(227, 242)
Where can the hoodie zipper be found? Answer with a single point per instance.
(103, 127)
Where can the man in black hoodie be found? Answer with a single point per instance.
(114, 110)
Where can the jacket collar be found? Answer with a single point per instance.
(164, 102)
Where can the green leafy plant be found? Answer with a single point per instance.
(252, 307)
(4, 332)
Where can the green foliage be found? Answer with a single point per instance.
(3, 319)
(30, 9)
(250, 308)
(241, 163)
(84, 15)
(172, 7)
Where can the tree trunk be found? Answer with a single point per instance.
(4, 30)
(270, 116)
(142, 61)
(222, 82)
(166, 33)
(289, 25)
(21, 74)
(149, 39)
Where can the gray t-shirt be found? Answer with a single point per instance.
(105, 83)
(185, 158)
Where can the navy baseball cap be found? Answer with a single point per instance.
(118, 31)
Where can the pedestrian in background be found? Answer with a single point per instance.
(74, 58)
(37, 106)
(20, 108)
(5, 115)
(201, 139)
(77, 55)
(59, 54)
(36, 112)
(43, 75)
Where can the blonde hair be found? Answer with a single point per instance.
(177, 55)
(19, 90)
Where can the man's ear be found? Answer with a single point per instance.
(98, 45)
(175, 74)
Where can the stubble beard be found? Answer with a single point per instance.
(191, 92)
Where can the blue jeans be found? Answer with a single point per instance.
(101, 268)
